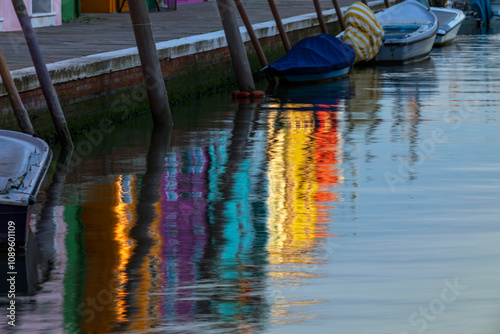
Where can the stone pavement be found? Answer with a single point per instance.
(96, 33)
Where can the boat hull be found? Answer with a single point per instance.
(446, 37)
(316, 78)
(13, 225)
(405, 53)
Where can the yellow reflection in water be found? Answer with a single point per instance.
(292, 187)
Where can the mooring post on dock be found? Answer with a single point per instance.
(150, 63)
(254, 39)
(340, 16)
(20, 112)
(227, 12)
(46, 85)
(279, 24)
(321, 20)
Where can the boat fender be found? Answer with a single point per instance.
(244, 95)
(257, 94)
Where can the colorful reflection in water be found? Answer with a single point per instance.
(224, 217)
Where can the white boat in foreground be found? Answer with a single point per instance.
(410, 29)
(450, 20)
(24, 161)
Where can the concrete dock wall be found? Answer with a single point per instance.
(109, 86)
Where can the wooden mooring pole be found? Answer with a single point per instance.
(15, 100)
(340, 16)
(46, 85)
(321, 20)
(227, 12)
(279, 24)
(150, 63)
(254, 39)
(387, 4)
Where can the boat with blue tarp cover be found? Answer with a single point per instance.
(315, 59)
(24, 160)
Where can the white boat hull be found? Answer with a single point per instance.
(411, 52)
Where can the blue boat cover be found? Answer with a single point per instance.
(483, 9)
(315, 55)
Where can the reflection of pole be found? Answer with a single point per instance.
(15, 100)
(153, 77)
(149, 196)
(43, 75)
(41, 252)
(235, 44)
(47, 226)
(321, 20)
(243, 121)
(279, 24)
(340, 16)
(255, 40)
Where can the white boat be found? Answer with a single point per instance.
(410, 29)
(450, 20)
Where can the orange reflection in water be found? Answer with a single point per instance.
(125, 214)
(104, 258)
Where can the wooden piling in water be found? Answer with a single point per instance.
(20, 112)
(340, 16)
(46, 85)
(254, 39)
(150, 63)
(321, 20)
(235, 44)
(279, 24)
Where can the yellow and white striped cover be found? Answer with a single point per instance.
(363, 32)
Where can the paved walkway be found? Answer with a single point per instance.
(96, 33)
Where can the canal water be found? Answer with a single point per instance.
(364, 206)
